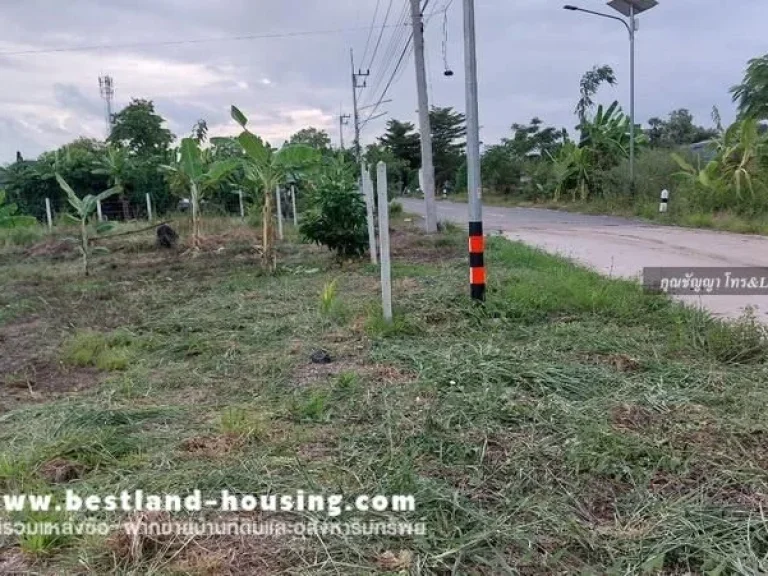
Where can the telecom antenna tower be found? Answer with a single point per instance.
(107, 91)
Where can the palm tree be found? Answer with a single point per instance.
(752, 94)
(116, 165)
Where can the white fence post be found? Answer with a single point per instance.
(48, 213)
(98, 211)
(149, 207)
(279, 214)
(293, 203)
(367, 183)
(664, 204)
(242, 206)
(386, 273)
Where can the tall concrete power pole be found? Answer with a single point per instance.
(477, 278)
(355, 86)
(427, 164)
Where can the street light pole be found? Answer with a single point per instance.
(629, 8)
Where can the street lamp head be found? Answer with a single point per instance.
(627, 7)
(570, 7)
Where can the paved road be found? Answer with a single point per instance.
(622, 247)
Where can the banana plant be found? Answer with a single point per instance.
(195, 170)
(572, 168)
(265, 169)
(740, 149)
(115, 165)
(84, 208)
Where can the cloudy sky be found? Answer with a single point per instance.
(531, 55)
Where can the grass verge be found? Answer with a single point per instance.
(573, 424)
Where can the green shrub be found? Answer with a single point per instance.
(395, 208)
(336, 215)
(655, 170)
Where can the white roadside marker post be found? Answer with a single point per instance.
(279, 214)
(293, 205)
(386, 272)
(664, 204)
(149, 207)
(98, 211)
(48, 213)
(242, 206)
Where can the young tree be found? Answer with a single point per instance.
(448, 142)
(139, 129)
(402, 143)
(752, 94)
(589, 85)
(115, 165)
(84, 209)
(266, 169)
(312, 138)
(199, 176)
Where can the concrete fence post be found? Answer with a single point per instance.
(98, 211)
(149, 207)
(293, 205)
(386, 272)
(279, 213)
(242, 205)
(367, 183)
(48, 213)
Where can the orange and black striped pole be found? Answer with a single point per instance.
(477, 276)
(476, 261)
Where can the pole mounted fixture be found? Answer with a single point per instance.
(630, 9)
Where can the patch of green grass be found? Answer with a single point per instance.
(14, 473)
(241, 423)
(311, 406)
(105, 351)
(36, 542)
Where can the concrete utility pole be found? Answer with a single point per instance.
(355, 86)
(425, 128)
(474, 184)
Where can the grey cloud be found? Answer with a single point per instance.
(531, 56)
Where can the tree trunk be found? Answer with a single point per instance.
(268, 233)
(195, 218)
(84, 246)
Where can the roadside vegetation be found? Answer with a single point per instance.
(575, 424)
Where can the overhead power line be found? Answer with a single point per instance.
(370, 32)
(267, 36)
(381, 33)
(408, 48)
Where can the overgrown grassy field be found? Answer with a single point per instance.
(572, 425)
